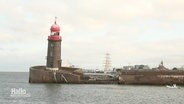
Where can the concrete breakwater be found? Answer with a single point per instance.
(39, 74)
(152, 77)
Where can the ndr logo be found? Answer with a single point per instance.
(19, 92)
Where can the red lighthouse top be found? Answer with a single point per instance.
(55, 27)
(54, 36)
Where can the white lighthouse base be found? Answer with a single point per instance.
(48, 68)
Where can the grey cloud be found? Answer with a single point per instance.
(93, 28)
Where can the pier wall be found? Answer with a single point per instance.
(39, 74)
(151, 77)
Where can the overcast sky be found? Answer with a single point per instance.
(132, 31)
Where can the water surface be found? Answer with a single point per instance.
(84, 93)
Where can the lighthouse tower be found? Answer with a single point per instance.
(54, 48)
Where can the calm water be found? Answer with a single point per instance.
(84, 94)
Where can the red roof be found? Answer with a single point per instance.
(55, 28)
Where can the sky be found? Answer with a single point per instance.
(132, 31)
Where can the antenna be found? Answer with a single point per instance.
(55, 19)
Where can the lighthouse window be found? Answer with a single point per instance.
(52, 33)
(51, 54)
(51, 45)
